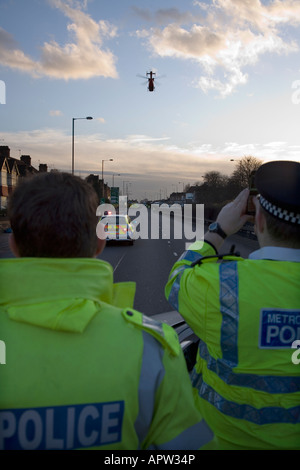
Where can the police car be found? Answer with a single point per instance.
(118, 228)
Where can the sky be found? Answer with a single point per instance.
(227, 85)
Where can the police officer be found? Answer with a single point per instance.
(83, 369)
(246, 313)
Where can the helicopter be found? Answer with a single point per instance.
(150, 77)
(151, 86)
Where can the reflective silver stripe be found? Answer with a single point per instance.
(179, 270)
(229, 306)
(191, 439)
(151, 376)
(260, 416)
(174, 292)
(186, 256)
(266, 383)
(190, 255)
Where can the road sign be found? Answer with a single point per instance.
(114, 195)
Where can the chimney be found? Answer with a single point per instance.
(26, 159)
(5, 151)
(43, 168)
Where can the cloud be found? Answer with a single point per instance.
(164, 15)
(13, 57)
(232, 35)
(150, 163)
(82, 57)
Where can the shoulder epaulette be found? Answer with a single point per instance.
(163, 332)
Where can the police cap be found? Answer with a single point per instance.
(278, 184)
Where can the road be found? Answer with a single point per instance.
(148, 262)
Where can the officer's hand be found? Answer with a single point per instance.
(233, 216)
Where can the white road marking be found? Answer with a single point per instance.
(120, 260)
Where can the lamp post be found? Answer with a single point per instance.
(89, 118)
(110, 160)
(113, 178)
(127, 182)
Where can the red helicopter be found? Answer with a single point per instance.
(150, 77)
(151, 86)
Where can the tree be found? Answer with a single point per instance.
(241, 175)
(213, 189)
(213, 178)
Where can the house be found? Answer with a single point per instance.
(177, 198)
(4, 171)
(13, 174)
(9, 174)
(191, 194)
(103, 191)
(11, 169)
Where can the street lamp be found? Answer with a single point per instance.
(110, 160)
(127, 182)
(113, 178)
(89, 118)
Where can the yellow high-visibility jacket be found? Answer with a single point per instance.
(246, 313)
(85, 370)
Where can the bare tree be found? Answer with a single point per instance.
(213, 179)
(243, 170)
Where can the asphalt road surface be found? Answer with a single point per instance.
(148, 262)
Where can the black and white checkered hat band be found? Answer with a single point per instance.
(282, 214)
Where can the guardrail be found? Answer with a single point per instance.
(248, 231)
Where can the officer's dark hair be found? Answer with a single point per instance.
(54, 215)
(281, 231)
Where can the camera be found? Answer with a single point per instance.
(253, 193)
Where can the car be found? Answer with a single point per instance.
(118, 228)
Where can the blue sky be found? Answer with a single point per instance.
(229, 86)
